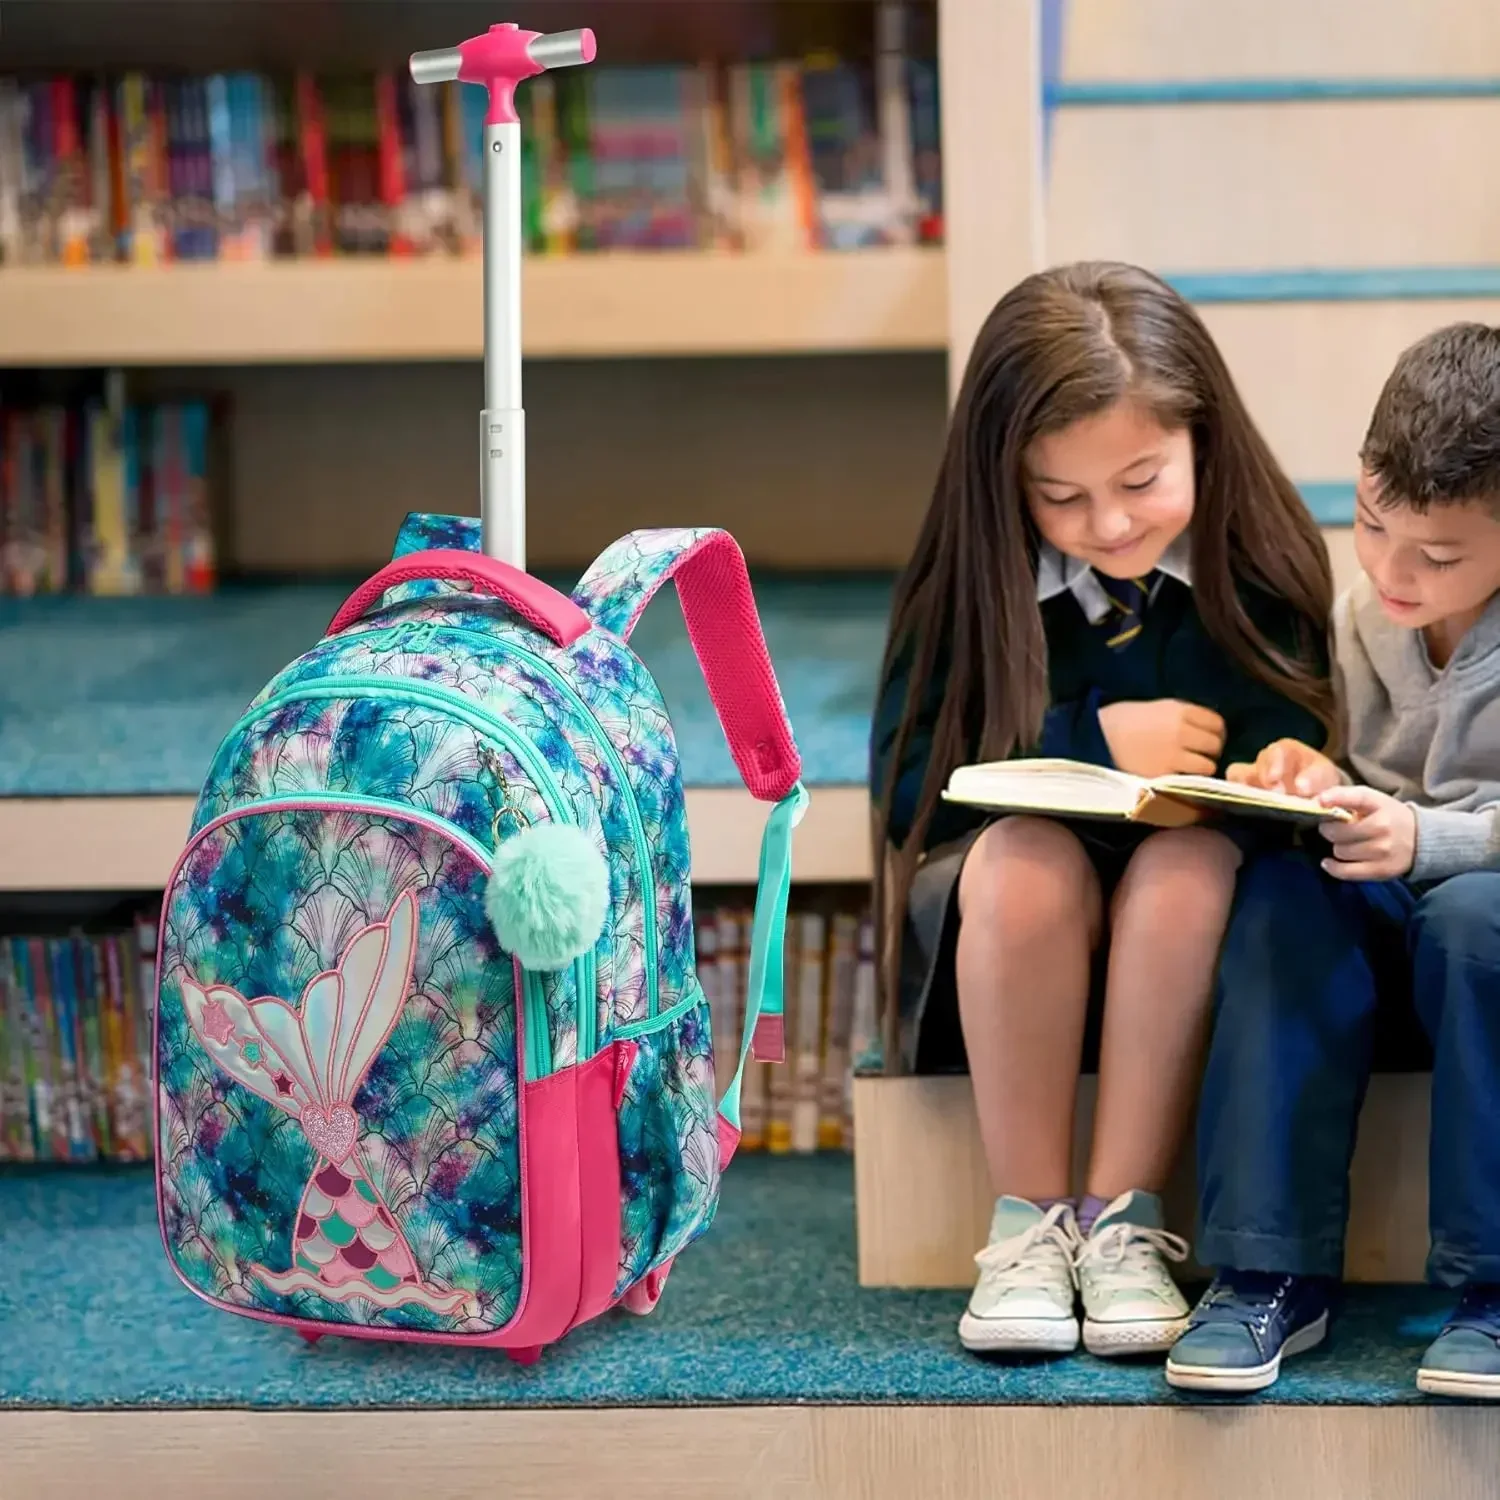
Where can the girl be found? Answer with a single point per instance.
(1113, 569)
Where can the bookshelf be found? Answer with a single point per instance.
(351, 379)
(605, 305)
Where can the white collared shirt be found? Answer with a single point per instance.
(1057, 573)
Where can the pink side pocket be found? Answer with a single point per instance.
(600, 1084)
(550, 1166)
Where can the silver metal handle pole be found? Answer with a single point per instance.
(503, 421)
(493, 60)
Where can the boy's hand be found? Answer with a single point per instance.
(1288, 766)
(1379, 844)
(1163, 737)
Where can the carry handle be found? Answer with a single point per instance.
(555, 615)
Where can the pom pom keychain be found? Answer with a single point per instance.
(548, 895)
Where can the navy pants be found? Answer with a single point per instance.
(1308, 963)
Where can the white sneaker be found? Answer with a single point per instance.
(1024, 1301)
(1131, 1305)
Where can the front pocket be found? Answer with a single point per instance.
(337, 1073)
(401, 744)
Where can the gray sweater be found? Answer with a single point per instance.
(1429, 737)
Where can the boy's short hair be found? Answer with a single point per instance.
(1434, 437)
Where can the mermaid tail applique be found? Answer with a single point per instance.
(310, 1061)
(346, 1244)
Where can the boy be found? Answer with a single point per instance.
(1405, 907)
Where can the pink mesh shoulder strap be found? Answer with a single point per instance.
(718, 606)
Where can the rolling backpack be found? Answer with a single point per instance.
(432, 1061)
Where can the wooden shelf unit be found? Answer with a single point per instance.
(86, 843)
(649, 303)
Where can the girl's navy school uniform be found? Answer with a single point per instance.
(1105, 644)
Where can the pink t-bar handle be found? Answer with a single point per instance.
(501, 58)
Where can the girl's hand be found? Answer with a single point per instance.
(1379, 844)
(1288, 766)
(1163, 737)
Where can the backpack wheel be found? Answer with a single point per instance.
(528, 1356)
(646, 1293)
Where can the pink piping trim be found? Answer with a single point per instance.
(314, 1325)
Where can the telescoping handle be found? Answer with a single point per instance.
(500, 59)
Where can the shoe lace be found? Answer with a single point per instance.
(1251, 1298)
(1123, 1254)
(1018, 1260)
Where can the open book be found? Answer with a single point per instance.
(1071, 788)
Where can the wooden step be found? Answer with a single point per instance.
(803, 1452)
(923, 1198)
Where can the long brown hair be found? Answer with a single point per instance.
(1062, 345)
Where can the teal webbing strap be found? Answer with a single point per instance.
(764, 986)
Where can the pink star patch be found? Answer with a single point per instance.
(217, 1025)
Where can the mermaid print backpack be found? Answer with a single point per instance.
(432, 1061)
(432, 1058)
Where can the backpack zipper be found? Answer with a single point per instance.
(538, 1050)
(417, 635)
(540, 773)
(632, 809)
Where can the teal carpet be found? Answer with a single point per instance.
(764, 1309)
(132, 696)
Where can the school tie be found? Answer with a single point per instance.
(1127, 599)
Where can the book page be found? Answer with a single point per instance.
(1212, 790)
(1061, 786)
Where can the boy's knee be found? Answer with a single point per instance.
(1027, 872)
(1460, 918)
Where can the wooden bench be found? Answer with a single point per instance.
(923, 1197)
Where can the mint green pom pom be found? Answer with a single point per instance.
(548, 895)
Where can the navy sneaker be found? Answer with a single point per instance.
(1246, 1323)
(1464, 1359)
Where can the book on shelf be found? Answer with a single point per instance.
(864, 1021)
(1080, 790)
(791, 154)
(75, 1045)
(76, 1035)
(102, 497)
(801, 1105)
(843, 981)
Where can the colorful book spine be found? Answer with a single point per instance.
(764, 156)
(74, 1045)
(17, 1137)
(312, 122)
(893, 106)
(805, 1046)
(105, 498)
(391, 169)
(843, 960)
(864, 1037)
(12, 158)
